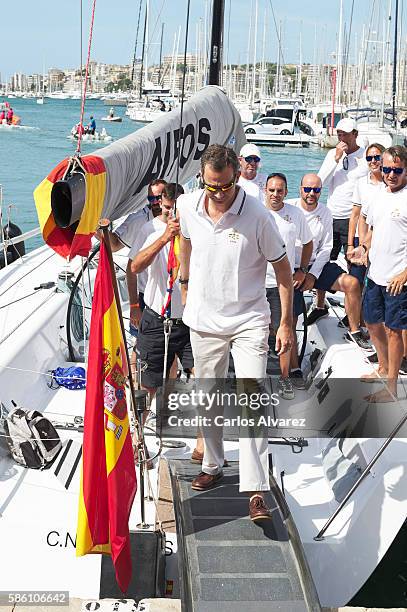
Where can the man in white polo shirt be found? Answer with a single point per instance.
(150, 253)
(227, 237)
(340, 170)
(385, 300)
(324, 274)
(252, 181)
(292, 225)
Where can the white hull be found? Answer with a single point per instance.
(38, 512)
(93, 138)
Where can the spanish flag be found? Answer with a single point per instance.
(108, 482)
(68, 242)
(172, 269)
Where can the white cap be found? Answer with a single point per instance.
(250, 149)
(347, 125)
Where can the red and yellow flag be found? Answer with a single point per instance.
(67, 242)
(108, 483)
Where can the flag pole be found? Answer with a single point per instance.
(138, 398)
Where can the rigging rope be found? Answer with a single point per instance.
(172, 265)
(78, 148)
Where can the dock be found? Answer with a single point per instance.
(280, 140)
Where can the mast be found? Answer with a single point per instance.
(394, 92)
(299, 74)
(254, 55)
(133, 68)
(340, 54)
(215, 56)
(143, 55)
(161, 53)
(278, 69)
(386, 45)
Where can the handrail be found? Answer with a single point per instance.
(320, 535)
(34, 232)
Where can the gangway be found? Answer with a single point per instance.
(228, 563)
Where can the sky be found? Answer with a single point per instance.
(46, 33)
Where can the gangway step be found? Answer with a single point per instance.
(228, 563)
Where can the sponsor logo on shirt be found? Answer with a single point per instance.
(233, 236)
(395, 213)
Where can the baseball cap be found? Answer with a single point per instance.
(346, 125)
(249, 149)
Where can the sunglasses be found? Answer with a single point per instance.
(345, 163)
(154, 198)
(314, 189)
(252, 159)
(370, 158)
(215, 189)
(388, 169)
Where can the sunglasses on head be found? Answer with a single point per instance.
(215, 188)
(314, 189)
(370, 158)
(388, 169)
(252, 159)
(154, 198)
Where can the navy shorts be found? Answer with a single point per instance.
(273, 298)
(358, 272)
(330, 273)
(150, 347)
(381, 307)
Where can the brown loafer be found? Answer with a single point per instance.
(258, 509)
(206, 481)
(197, 457)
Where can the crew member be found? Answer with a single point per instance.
(293, 227)
(150, 253)
(323, 274)
(385, 300)
(252, 181)
(340, 170)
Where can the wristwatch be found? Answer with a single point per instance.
(303, 269)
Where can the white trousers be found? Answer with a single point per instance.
(211, 360)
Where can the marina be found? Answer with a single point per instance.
(303, 505)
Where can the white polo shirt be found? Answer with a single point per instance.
(365, 190)
(293, 226)
(320, 223)
(228, 263)
(128, 231)
(341, 182)
(155, 293)
(388, 252)
(254, 187)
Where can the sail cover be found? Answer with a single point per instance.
(117, 178)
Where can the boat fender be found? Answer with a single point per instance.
(32, 439)
(14, 251)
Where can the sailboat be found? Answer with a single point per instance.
(338, 469)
